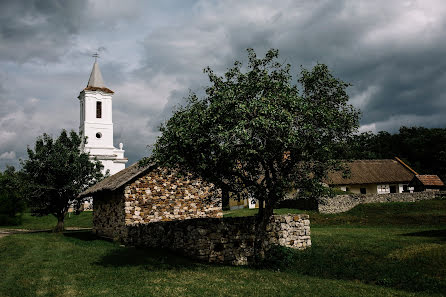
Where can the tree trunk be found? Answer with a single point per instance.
(262, 221)
(60, 223)
(225, 199)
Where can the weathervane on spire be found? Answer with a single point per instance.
(95, 56)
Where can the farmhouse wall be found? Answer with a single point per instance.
(109, 216)
(343, 203)
(227, 240)
(166, 195)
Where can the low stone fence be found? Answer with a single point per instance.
(343, 203)
(227, 240)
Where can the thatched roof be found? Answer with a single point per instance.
(430, 180)
(117, 180)
(373, 171)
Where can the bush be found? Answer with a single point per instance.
(279, 257)
(11, 203)
(338, 191)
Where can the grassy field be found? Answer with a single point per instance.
(429, 212)
(372, 250)
(82, 220)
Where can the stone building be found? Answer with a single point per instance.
(158, 207)
(139, 195)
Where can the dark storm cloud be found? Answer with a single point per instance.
(392, 52)
(39, 29)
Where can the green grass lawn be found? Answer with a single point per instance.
(428, 212)
(372, 250)
(82, 220)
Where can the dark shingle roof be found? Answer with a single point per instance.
(373, 171)
(117, 180)
(430, 180)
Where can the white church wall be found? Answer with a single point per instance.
(112, 166)
(106, 135)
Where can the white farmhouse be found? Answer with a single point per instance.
(97, 125)
(374, 177)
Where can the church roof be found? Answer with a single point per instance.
(96, 83)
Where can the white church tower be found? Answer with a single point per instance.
(97, 125)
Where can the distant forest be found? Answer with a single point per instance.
(422, 148)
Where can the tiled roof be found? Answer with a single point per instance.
(430, 180)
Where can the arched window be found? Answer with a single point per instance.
(98, 109)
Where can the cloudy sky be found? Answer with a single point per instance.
(153, 53)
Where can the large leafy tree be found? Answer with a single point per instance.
(256, 132)
(56, 172)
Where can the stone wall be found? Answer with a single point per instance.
(343, 203)
(109, 216)
(166, 195)
(166, 209)
(228, 240)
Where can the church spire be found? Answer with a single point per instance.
(96, 83)
(96, 77)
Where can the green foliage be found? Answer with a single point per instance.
(11, 202)
(422, 148)
(255, 132)
(279, 258)
(338, 191)
(56, 173)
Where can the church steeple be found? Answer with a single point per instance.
(96, 123)
(96, 83)
(96, 77)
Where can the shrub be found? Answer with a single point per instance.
(11, 202)
(279, 257)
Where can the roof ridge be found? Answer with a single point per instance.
(405, 165)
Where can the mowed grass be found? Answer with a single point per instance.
(359, 258)
(82, 220)
(428, 212)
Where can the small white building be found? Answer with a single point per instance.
(96, 123)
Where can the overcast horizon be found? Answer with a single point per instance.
(152, 54)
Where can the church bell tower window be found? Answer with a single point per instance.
(98, 109)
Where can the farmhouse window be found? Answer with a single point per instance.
(363, 190)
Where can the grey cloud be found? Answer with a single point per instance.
(38, 30)
(391, 51)
(352, 37)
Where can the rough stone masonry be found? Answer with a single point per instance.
(165, 209)
(227, 240)
(342, 203)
